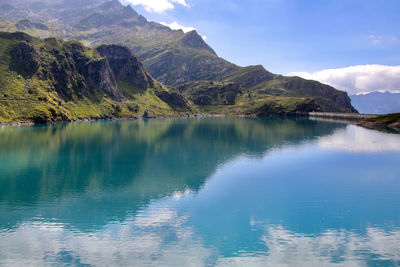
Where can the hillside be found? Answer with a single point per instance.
(172, 57)
(51, 80)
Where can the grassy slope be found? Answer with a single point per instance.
(229, 98)
(31, 99)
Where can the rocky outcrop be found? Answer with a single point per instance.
(53, 80)
(126, 66)
(25, 59)
(173, 99)
(72, 71)
(98, 73)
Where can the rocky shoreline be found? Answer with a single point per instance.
(17, 123)
(389, 121)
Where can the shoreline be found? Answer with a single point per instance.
(29, 123)
(347, 116)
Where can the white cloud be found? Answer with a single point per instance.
(358, 79)
(176, 26)
(381, 40)
(157, 6)
(375, 40)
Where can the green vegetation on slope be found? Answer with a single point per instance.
(50, 80)
(229, 98)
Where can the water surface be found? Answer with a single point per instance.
(199, 192)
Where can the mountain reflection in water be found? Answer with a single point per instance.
(211, 191)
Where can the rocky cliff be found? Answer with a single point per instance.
(125, 65)
(51, 80)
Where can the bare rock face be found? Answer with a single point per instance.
(99, 73)
(73, 71)
(125, 65)
(25, 59)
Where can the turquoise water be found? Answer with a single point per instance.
(199, 192)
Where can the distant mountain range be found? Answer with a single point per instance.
(182, 61)
(377, 103)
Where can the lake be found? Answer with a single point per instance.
(199, 192)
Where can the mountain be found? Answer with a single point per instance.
(377, 103)
(51, 80)
(172, 57)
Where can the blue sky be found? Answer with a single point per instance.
(286, 36)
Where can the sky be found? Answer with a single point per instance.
(349, 44)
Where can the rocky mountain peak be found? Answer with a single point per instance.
(194, 40)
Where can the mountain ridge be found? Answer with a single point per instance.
(174, 58)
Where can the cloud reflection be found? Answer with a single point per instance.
(360, 140)
(331, 248)
(157, 238)
(160, 237)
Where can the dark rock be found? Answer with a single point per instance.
(273, 108)
(202, 100)
(126, 66)
(173, 99)
(16, 36)
(25, 59)
(99, 74)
